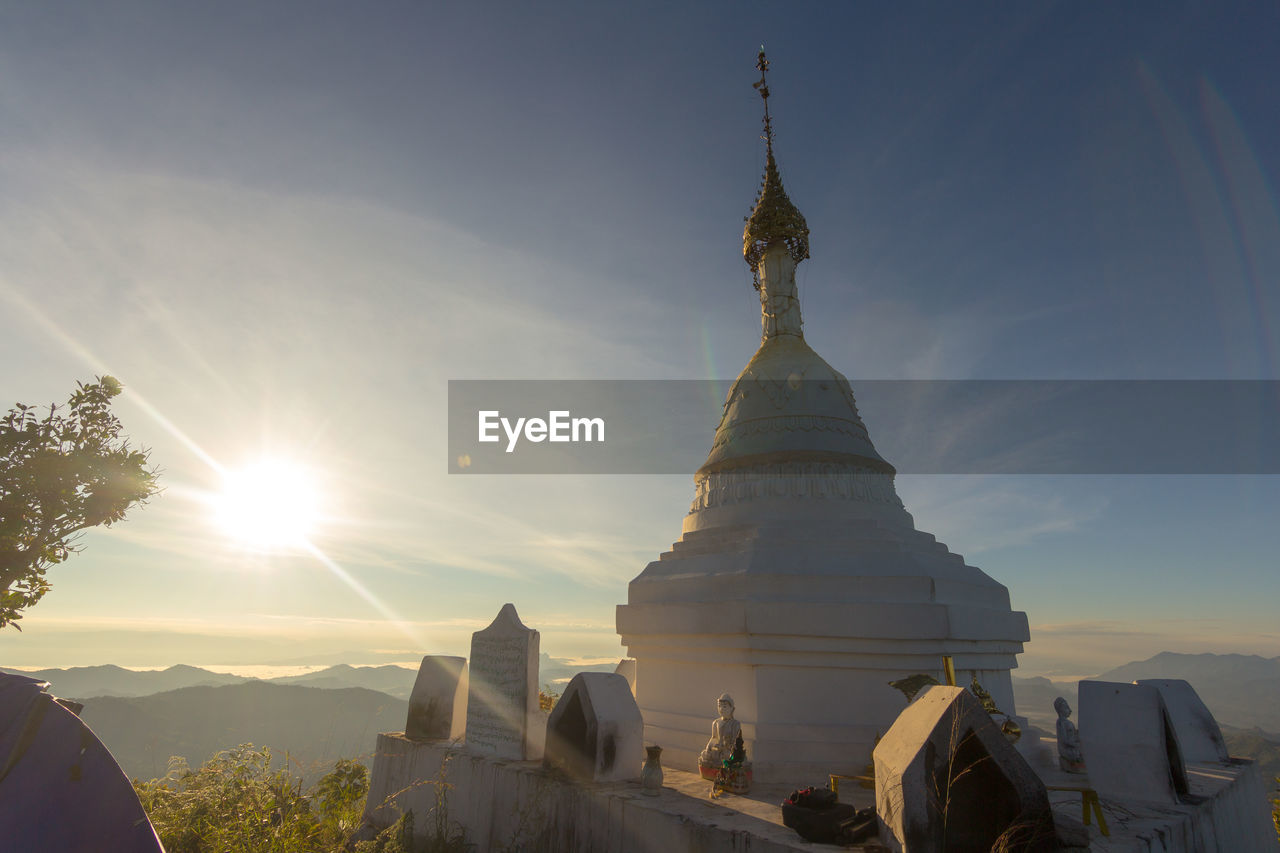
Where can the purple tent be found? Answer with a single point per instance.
(60, 789)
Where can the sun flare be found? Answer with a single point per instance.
(271, 505)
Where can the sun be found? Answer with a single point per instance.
(271, 505)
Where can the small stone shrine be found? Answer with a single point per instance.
(948, 779)
(1130, 747)
(503, 716)
(595, 732)
(1199, 736)
(438, 703)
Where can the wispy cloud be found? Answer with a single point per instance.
(977, 514)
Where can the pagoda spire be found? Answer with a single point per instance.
(774, 219)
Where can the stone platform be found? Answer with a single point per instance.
(504, 804)
(517, 805)
(1226, 809)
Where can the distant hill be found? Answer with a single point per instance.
(390, 679)
(1241, 690)
(110, 680)
(315, 726)
(1033, 698)
(84, 682)
(1203, 667)
(1262, 747)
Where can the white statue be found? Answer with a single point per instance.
(725, 731)
(1070, 757)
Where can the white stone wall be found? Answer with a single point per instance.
(516, 805)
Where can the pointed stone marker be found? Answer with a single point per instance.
(1199, 735)
(503, 692)
(438, 704)
(948, 779)
(596, 732)
(627, 669)
(1131, 748)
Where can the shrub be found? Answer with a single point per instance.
(235, 803)
(1275, 809)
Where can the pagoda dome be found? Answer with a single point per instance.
(789, 405)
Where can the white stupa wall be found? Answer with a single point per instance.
(805, 619)
(800, 585)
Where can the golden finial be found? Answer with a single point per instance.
(774, 218)
(762, 86)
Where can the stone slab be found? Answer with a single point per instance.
(438, 703)
(502, 701)
(1130, 748)
(627, 669)
(946, 778)
(1198, 733)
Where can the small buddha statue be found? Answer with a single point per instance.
(1070, 756)
(724, 761)
(725, 733)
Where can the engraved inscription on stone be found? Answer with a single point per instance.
(503, 686)
(498, 666)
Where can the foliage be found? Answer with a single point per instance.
(1275, 808)
(59, 475)
(1254, 744)
(547, 698)
(236, 803)
(339, 798)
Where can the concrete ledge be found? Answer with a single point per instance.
(516, 805)
(1226, 812)
(503, 804)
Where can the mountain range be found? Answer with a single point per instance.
(337, 712)
(84, 682)
(313, 726)
(1242, 691)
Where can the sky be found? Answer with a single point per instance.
(285, 227)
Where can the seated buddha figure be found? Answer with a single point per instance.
(1070, 756)
(725, 731)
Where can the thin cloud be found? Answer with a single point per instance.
(978, 514)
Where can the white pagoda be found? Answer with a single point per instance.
(800, 584)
